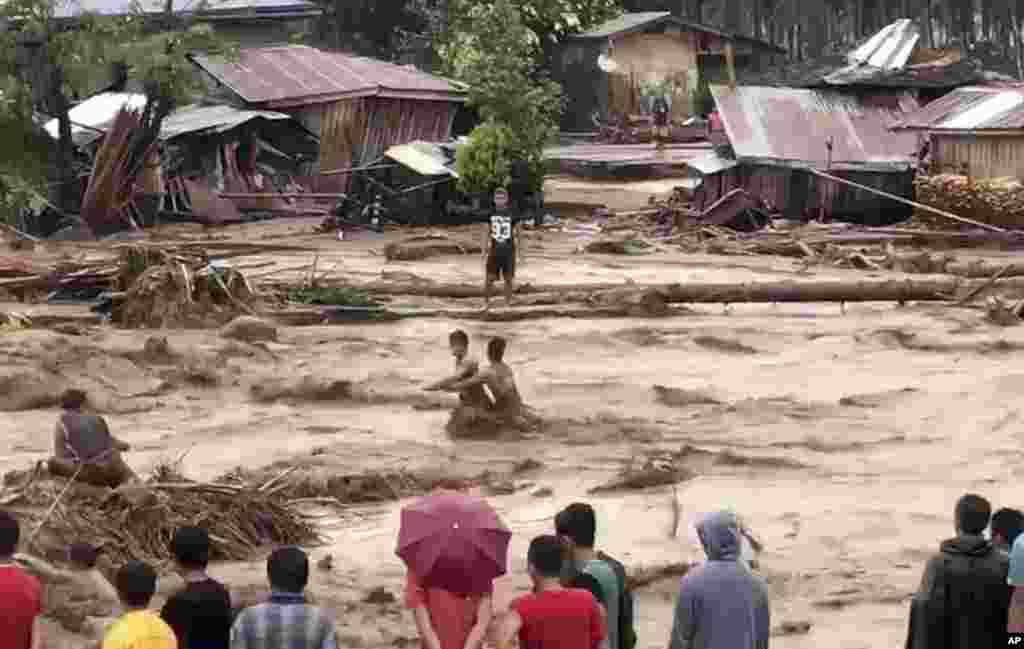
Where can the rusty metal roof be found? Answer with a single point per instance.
(636, 21)
(296, 75)
(238, 9)
(974, 108)
(792, 127)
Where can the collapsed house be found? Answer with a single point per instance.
(892, 60)
(977, 131)
(357, 106)
(206, 150)
(615, 68)
(778, 136)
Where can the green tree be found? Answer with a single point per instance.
(484, 163)
(493, 54)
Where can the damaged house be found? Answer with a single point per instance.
(206, 150)
(776, 135)
(977, 130)
(357, 106)
(614, 68)
(892, 60)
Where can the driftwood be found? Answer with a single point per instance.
(908, 290)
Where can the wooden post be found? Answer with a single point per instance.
(730, 63)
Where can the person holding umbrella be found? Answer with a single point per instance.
(454, 546)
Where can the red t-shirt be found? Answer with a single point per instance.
(20, 604)
(560, 619)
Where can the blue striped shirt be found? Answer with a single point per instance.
(285, 622)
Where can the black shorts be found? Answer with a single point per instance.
(501, 262)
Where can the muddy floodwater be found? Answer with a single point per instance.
(843, 434)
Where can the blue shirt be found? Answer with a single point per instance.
(285, 622)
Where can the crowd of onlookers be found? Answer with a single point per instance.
(971, 595)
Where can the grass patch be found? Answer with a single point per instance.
(330, 296)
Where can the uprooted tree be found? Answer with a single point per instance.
(49, 61)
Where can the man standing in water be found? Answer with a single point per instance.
(500, 249)
(465, 367)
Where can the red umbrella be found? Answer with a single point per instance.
(454, 542)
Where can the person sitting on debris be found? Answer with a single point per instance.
(465, 367)
(84, 447)
(138, 627)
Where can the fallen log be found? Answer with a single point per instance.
(908, 290)
(462, 291)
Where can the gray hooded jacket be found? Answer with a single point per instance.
(722, 605)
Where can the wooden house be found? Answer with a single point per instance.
(615, 68)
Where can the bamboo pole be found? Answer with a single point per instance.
(927, 208)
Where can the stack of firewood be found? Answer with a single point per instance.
(997, 201)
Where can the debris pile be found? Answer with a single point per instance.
(996, 201)
(168, 287)
(137, 523)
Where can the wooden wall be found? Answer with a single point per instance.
(987, 156)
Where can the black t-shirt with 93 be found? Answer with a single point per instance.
(502, 229)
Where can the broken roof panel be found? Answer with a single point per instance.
(218, 119)
(890, 48)
(297, 75)
(425, 158)
(792, 127)
(974, 108)
(91, 118)
(711, 164)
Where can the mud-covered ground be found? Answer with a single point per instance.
(849, 432)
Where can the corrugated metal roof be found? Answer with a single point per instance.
(94, 115)
(711, 163)
(255, 8)
(890, 48)
(640, 20)
(974, 108)
(298, 75)
(792, 127)
(425, 158)
(195, 118)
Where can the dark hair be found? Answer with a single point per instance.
(496, 349)
(191, 547)
(136, 583)
(972, 514)
(83, 554)
(458, 337)
(10, 533)
(545, 555)
(1008, 523)
(578, 522)
(288, 570)
(73, 399)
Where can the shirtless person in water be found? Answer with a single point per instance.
(465, 367)
(499, 380)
